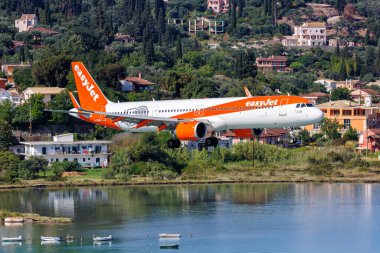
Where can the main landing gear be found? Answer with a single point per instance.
(211, 142)
(174, 143)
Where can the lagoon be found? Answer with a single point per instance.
(296, 217)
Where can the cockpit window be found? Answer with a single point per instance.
(303, 105)
(298, 105)
(309, 105)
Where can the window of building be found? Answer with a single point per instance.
(84, 159)
(44, 150)
(347, 123)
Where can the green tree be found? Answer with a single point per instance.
(5, 136)
(57, 171)
(8, 166)
(340, 94)
(6, 111)
(32, 109)
(51, 70)
(29, 168)
(351, 134)
(23, 77)
(61, 101)
(330, 128)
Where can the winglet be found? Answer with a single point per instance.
(74, 100)
(247, 93)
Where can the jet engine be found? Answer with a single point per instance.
(191, 131)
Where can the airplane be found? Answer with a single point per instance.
(190, 119)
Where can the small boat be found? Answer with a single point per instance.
(102, 238)
(169, 246)
(170, 235)
(12, 239)
(51, 238)
(14, 219)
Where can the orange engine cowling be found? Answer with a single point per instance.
(191, 131)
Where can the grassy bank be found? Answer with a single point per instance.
(33, 217)
(148, 161)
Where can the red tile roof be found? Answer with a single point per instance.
(273, 58)
(138, 81)
(43, 30)
(315, 94)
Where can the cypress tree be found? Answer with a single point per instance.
(240, 5)
(377, 63)
(178, 49)
(149, 53)
(366, 38)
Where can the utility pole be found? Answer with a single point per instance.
(30, 117)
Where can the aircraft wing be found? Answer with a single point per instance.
(139, 120)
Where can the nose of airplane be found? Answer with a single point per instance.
(318, 114)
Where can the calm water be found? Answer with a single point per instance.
(210, 218)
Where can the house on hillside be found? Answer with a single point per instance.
(273, 63)
(48, 92)
(350, 84)
(308, 34)
(349, 114)
(9, 68)
(218, 6)
(25, 22)
(136, 84)
(316, 97)
(361, 95)
(124, 38)
(327, 83)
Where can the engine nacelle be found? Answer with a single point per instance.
(191, 131)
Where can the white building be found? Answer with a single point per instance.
(64, 148)
(308, 34)
(48, 92)
(25, 22)
(328, 84)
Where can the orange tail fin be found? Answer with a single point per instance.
(90, 95)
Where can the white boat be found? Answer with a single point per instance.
(102, 238)
(12, 239)
(51, 238)
(170, 235)
(14, 219)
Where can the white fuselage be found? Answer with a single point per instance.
(230, 117)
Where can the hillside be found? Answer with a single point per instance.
(116, 39)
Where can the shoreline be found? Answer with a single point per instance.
(87, 183)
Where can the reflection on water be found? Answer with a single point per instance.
(211, 218)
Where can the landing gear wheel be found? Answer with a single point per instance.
(211, 142)
(174, 143)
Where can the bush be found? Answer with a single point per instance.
(57, 171)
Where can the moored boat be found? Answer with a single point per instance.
(102, 238)
(14, 219)
(51, 238)
(12, 239)
(170, 235)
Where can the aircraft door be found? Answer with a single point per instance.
(199, 111)
(282, 108)
(155, 111)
